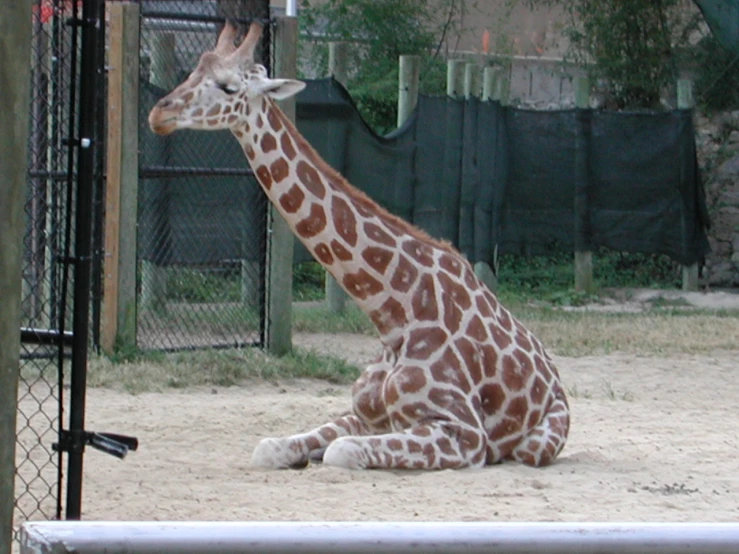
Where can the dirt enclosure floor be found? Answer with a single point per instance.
(651, 439)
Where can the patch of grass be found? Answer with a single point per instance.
(309, 282)
(613, 394)
(574, 392)
(653, 333)
(318, 318)
(222, 368)
(550, 278)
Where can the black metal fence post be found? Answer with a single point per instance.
(86, 143)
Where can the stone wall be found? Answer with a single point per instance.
(717, 139)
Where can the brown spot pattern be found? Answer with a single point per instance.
(378, 234)
(517, 409)
(292, 199)
(493, 397)
(501, 338)
(344, 221)
(361, 284)
(249, 152)
(377, 258)
(452, 313)
(424, 300)
(264, 176)
(404, 276)
(310, 179)
(287, 146)
(451, 264)
(274, 120)
(279, 169)
(341, 252)
(389, 316)
(419, 251)
(323, 253)
(476, 329)
(483, 306)
(424, 342)
(447, 370)
(456, 291)
(268, 143)
(313, 224)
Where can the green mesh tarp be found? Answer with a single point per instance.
(722, 17)
(529, 182)
(479, 175)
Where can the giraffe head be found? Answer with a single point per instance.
(225, 80)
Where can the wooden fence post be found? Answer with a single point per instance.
(162, 74)
(490, 78)
(338, 57)
(454, 85)
(685, 101)
(15, 75)
(281, 241)
(121, 190)
(407, 86)
(583, 258)
(471, 86)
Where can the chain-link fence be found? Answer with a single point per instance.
(202, 217)
(46, 282)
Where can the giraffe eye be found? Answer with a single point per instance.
(227, 88)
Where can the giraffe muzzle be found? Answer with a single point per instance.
(163, 121)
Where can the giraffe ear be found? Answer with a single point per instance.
(279, 89)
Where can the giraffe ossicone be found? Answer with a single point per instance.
(460, 383)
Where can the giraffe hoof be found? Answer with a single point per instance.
(275, 454)
(345, 453)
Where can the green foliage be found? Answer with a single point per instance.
(629, 46)
(716, 76)
(551, 278)
(308, 281)
(203, 285)
(379, 32)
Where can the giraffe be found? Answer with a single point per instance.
(460, 382)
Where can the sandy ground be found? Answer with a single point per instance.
(651, 439)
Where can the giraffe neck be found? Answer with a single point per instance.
(356, 240)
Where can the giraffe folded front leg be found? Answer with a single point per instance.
(545, 441)
(294, 452)
(431, 445)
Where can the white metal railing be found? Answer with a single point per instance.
(59, 537)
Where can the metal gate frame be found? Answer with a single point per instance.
(65, 165)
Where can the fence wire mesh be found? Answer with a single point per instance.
(46, 290)
(202, 217)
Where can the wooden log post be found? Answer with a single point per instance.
(686, 101)
(338, 56)
(490, 92)
(490, 77)
(118, 322)
(281, 244)
(15, 76)
(583, 257)
(471, 81)
(164, 75)
(454, 78)
(408, 82)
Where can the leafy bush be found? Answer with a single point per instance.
(379, 32)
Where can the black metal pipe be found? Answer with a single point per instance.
(164, 172)
(87, 146)
(30, 335)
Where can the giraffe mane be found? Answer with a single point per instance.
(359, 197)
